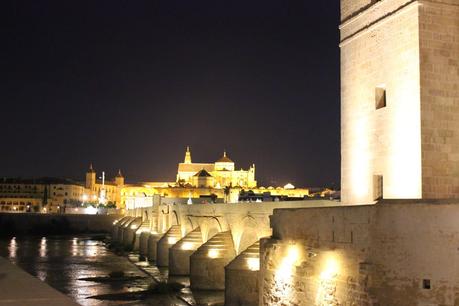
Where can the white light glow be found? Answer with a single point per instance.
(331, 269)
(12, 248)
(213, 253)
(253, 264)
(285, 269)
(89, 210)
(43, 247)
(171, 240)
(187, 246)
(142, 230)
(283, 274)
(327, 282)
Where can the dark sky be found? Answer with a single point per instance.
(129, 84)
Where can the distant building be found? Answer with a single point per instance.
(38, 195)
(196, 183)
(101, 190)
(218, 174)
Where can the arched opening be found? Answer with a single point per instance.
(250, 234)
(213, 227)
(175, 219)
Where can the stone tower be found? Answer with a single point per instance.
(90, 178)
(119, 179)
(399, 99)
(187, 159)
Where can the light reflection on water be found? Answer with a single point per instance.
(12, 247)
(63, 261)
(43, 247)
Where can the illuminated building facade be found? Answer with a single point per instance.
(39, 195)
(219, 174)
(196, 183)
(399, 114)
(103, 191)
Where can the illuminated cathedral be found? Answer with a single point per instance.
(219, 174)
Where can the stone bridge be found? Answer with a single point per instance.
(217, 245)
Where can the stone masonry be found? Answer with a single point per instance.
(408, 49)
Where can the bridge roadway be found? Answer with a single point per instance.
(215, 244)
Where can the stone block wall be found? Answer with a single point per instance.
(439, 44)
(241, 287)
(410, 49)
(396, 253)
(380, 49)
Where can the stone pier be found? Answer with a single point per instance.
(170, 238)
(179, 254)
(207, 264)
(241, 278)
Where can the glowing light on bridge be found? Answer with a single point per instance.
(328, 281)
(213, 253)
(187, 246)
(142, 230)
(285, 270)
(253, 264)
(283, 275)
(90, 210)
(171, 240)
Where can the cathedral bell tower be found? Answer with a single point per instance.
(119, 179)
(187, 156)
(90, 178)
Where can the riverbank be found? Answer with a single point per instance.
(18, 288)
(54, 224)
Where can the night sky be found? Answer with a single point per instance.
(129, 84)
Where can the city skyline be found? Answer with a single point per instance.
(124, 85)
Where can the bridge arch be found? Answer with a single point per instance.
(245, 233)
(210, 227)
(175, 218)
(187, 226)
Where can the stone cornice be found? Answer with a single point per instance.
(371, 17)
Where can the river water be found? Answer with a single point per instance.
(63, 261)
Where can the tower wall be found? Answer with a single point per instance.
(352, 7)
(90, 180)
(439, 44)
(380, 49)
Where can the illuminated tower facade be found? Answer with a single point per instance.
(90, 178)
(399, 100)
(187, 159)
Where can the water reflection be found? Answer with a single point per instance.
(12, 248)
(43, 247)
(62, 262)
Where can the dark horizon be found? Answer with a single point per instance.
(128, 86)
